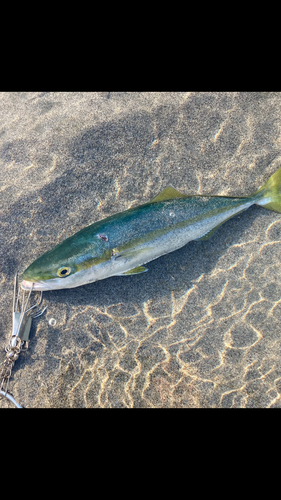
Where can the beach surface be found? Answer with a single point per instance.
(202, 327)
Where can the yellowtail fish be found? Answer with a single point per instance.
(121, 244)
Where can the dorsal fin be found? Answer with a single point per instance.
(169, 193)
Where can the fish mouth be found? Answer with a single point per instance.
(38, 285)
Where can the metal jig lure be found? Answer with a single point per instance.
(19, 340)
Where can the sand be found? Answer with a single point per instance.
(201, 328)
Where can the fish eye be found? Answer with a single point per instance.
(64, 271)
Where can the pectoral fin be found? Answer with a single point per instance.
(136, 270)
(129, 253)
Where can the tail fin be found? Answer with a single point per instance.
(269, 195)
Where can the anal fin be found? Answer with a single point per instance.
(208, 234)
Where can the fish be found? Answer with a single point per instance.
(121, 244)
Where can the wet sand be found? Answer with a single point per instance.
(201, 328)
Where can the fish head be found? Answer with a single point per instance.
(71, 263)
